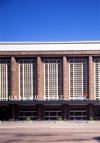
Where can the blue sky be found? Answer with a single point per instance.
(49, 20)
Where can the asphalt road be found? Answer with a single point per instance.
(49, 132)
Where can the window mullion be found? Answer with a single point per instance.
(99, 77)
(73, 80)
(0, 82)
(6, 82)
(23, 80)
(31, 78)
(57, 79)
(82, 78)
(48, 80)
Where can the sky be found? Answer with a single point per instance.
(49, 20)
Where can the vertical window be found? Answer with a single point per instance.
(78, 79)
(27, 87)
(4, 79)
(97, 79)
(52, 79)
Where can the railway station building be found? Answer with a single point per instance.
(48, 80)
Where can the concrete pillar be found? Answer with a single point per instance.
(40, 112)
(65, 79)
(13, 111)
(14, 79)
(91, 111)
(42, 72)
(65, 112)
(91, 93)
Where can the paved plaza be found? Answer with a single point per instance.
(49, 132)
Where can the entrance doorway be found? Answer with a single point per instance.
(97, 113)
(5, 114)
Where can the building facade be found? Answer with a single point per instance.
(48, 80)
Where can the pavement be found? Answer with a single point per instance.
(49, 132)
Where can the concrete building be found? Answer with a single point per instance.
(48, 80)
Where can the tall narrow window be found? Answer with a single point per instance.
(97, 79)
(78, 79)
(52, 79)
(27, 88)
(4, 79)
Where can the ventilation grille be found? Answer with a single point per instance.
(52, 79)
(78, 79)
(27, 79)
(97, 79)
(4, 79)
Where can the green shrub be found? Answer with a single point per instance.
(59, 119)
(28, 119)
(91, 119)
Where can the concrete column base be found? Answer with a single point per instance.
(40, 112)
(91, 111)
(14, 113)
(65, 112)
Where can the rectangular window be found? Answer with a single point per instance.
(78, 114)
(52, 79)
(78, 80)
(24, 113)
(4, 79)
(27, 79)
(97, 79)
(52, 114)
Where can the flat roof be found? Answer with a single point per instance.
(50, 46)
(51, 42)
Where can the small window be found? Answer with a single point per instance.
(96, 61)
(21, 61)
(71, 61)
(8, 62)
(33, 61)
(46, 61)
(58, 61)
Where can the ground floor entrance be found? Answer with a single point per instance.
(5, 113)
(50, 112)
(97, 113)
